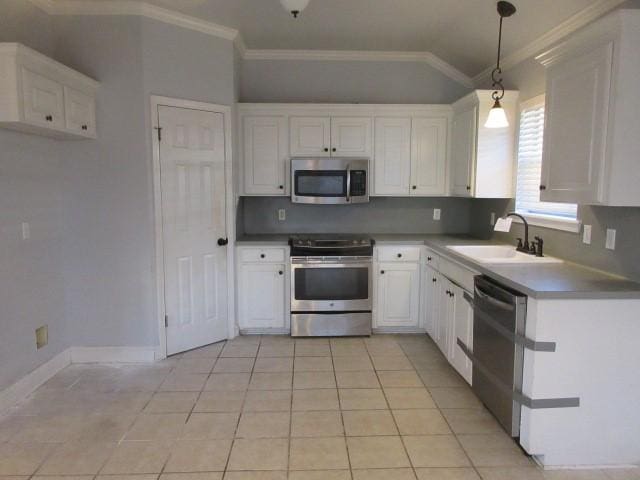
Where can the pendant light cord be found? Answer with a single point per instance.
(496, 75)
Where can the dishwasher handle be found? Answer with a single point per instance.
(492, 300)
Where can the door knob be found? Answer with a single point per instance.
(223, 241)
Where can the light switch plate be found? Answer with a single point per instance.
(610, 244)
(42, 336)
(586, 234)
(436, 214)
(26, 231)
(282, 214)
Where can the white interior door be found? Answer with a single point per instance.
(192, 171)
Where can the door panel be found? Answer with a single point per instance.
(463, 152)
(79, 112)
(576, 115)
(428, 156)
(351, 137)
(192, 162)
(43, 100)
(265, 155)
(310, 136)
(392, 163)
(398, 295)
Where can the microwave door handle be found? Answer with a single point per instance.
(348, 182)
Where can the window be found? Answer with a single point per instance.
(546, 214)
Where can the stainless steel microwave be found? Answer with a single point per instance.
(329, 180)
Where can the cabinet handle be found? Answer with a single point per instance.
(382, 272)
(281, 187)
(414, 187)
(399, 255)
(326, 149)
(429, 259)
(280, 272)
(49, 118)
(334, 149)
(468, 187)
(543, 187)
(262, 255)
(84, 127)
(434, 279)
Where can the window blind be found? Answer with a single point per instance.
(530, 168)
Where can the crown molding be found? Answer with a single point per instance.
(142, 9)
(362, 56)
(554, 35)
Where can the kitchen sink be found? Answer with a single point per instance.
(500, 255)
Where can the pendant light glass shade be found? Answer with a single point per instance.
(295, 7)
(497, 117)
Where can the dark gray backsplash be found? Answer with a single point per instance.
(624, 260)
(259, 215)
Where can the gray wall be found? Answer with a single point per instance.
(259, 215)
(32, 187)
(529, 78)
(346, 82)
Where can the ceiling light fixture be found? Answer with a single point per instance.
(295, 7)
(497, 117)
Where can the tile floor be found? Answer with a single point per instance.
(270, 408)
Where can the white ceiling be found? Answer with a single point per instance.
(460, 32)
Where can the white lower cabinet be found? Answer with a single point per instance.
(448, 315)
(397, 287)
(262, 290)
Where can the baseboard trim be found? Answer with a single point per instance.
(113, 354)
(31, 381)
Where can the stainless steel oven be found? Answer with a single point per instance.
(329, 180)
(331, 287)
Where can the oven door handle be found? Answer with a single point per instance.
(349, 183)
(338, 264)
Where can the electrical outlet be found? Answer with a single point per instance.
(586, 234)
(282, 214)
(610, 244)
(436, 214)
(42, 336)
(26, 231)
(492, 222)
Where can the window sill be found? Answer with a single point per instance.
(549, 221)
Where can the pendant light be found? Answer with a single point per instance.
(497, 117)
(295, 7)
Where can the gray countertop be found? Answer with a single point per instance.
(550, 281)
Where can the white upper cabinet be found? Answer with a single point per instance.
(410, 156)
(591, 142)
(331, 136)
(428, 156)
(41, 96)
(392, 164)
(265, 153)
(482, 159)
(351, 137)
(310, 136)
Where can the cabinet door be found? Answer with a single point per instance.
(445, 312)
(43, 100)
(351, 137)
(265, 155)
(575, 131)
(79, 112)
(463, 151)
(392, 164)
(261, 296)
(310, 136)
(462, 328)
(398, 299)
(431, 301)
(428, 156)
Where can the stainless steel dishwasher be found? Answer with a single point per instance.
(499, 342)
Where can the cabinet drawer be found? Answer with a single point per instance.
(264, 255)
(432, 259)
(458, 274)
(399, 253)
